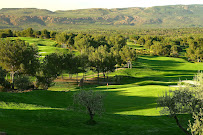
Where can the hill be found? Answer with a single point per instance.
(153, 17)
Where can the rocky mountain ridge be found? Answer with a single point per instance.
(161, 17)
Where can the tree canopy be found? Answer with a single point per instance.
(18, 56)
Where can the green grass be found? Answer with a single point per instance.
(130, 108)
(47, 109)
(161, 69)
(133, 46)
(45, 46)
(58, 120)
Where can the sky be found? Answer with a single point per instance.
(54, 5)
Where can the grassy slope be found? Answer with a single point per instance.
(130, 108)
(45, 46)
(27, 113)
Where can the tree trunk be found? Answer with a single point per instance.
(107, 76)
(91, 114)
(2, 133)
(12, 79)
(98, 77)
(62, 76)
(128, 64)
(77, 78)
(179, 125)
(104, 75)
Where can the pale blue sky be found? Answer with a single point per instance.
(81, 4)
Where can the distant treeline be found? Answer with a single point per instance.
(161, 42)
(171, 46)
(172, 32)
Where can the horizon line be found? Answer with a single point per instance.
(102, 8)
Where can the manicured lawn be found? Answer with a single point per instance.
(132, 45)
(45, 46)
(45, 112)
(130, 108)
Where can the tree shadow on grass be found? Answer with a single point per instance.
(166, 80)
(120, 103)
(162, 79)
(69, 122)
(44, 98)
(156, 64)
(113, 101)
(41, 45)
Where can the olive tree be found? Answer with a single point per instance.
(91, 100)
(185, 99)
(196, 128)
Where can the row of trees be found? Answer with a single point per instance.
(82, 41)
(157, 45)
(161, 32)
(28, 33)
(102, 59)
(168, 46)
(77, 41)
(17, 57)
(6, 33)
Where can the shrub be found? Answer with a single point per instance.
(44, 82)
(22, 82)
(3, 82)
(6, 84)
